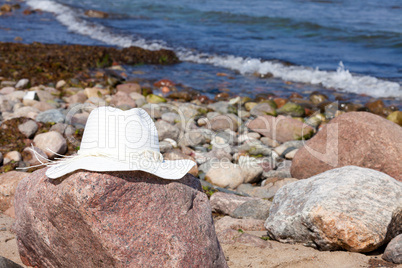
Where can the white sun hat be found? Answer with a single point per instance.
(116, 140)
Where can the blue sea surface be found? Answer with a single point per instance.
(279, 46)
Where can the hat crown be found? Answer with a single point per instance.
(119, 133)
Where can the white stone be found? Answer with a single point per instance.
(291, 154)
(202, 121)
(172, 142)
(60, 84)
(31, 95)
(23, 83)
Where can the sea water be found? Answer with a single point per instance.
(277, 46)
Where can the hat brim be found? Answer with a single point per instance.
(168, 169)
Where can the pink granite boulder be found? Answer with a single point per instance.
(115, 219)
(356, 138)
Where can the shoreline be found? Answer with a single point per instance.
(86, 66)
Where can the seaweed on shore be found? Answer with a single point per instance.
(45, 63)
(11, 139)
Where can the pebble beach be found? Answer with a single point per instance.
(250, 151)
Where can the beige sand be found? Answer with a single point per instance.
(8, 243)
(240, 256)
(297, 256)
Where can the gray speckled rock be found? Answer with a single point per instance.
(346, 208)
(228, 222)
(393, 252)
(224, 203)
(28, 128)
(283, 173)
(166, 130)
(192, 138)
(53, 115)
(115, 219)
(171, 118)
(252, 209)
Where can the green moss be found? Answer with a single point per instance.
(257, 155)
(104, 61)
(240, 231)
(232, 109)
(163, 59)
(265, 237)
(202, 110)
(208, 191)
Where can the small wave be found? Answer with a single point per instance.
(71, 19)
(341, 79)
